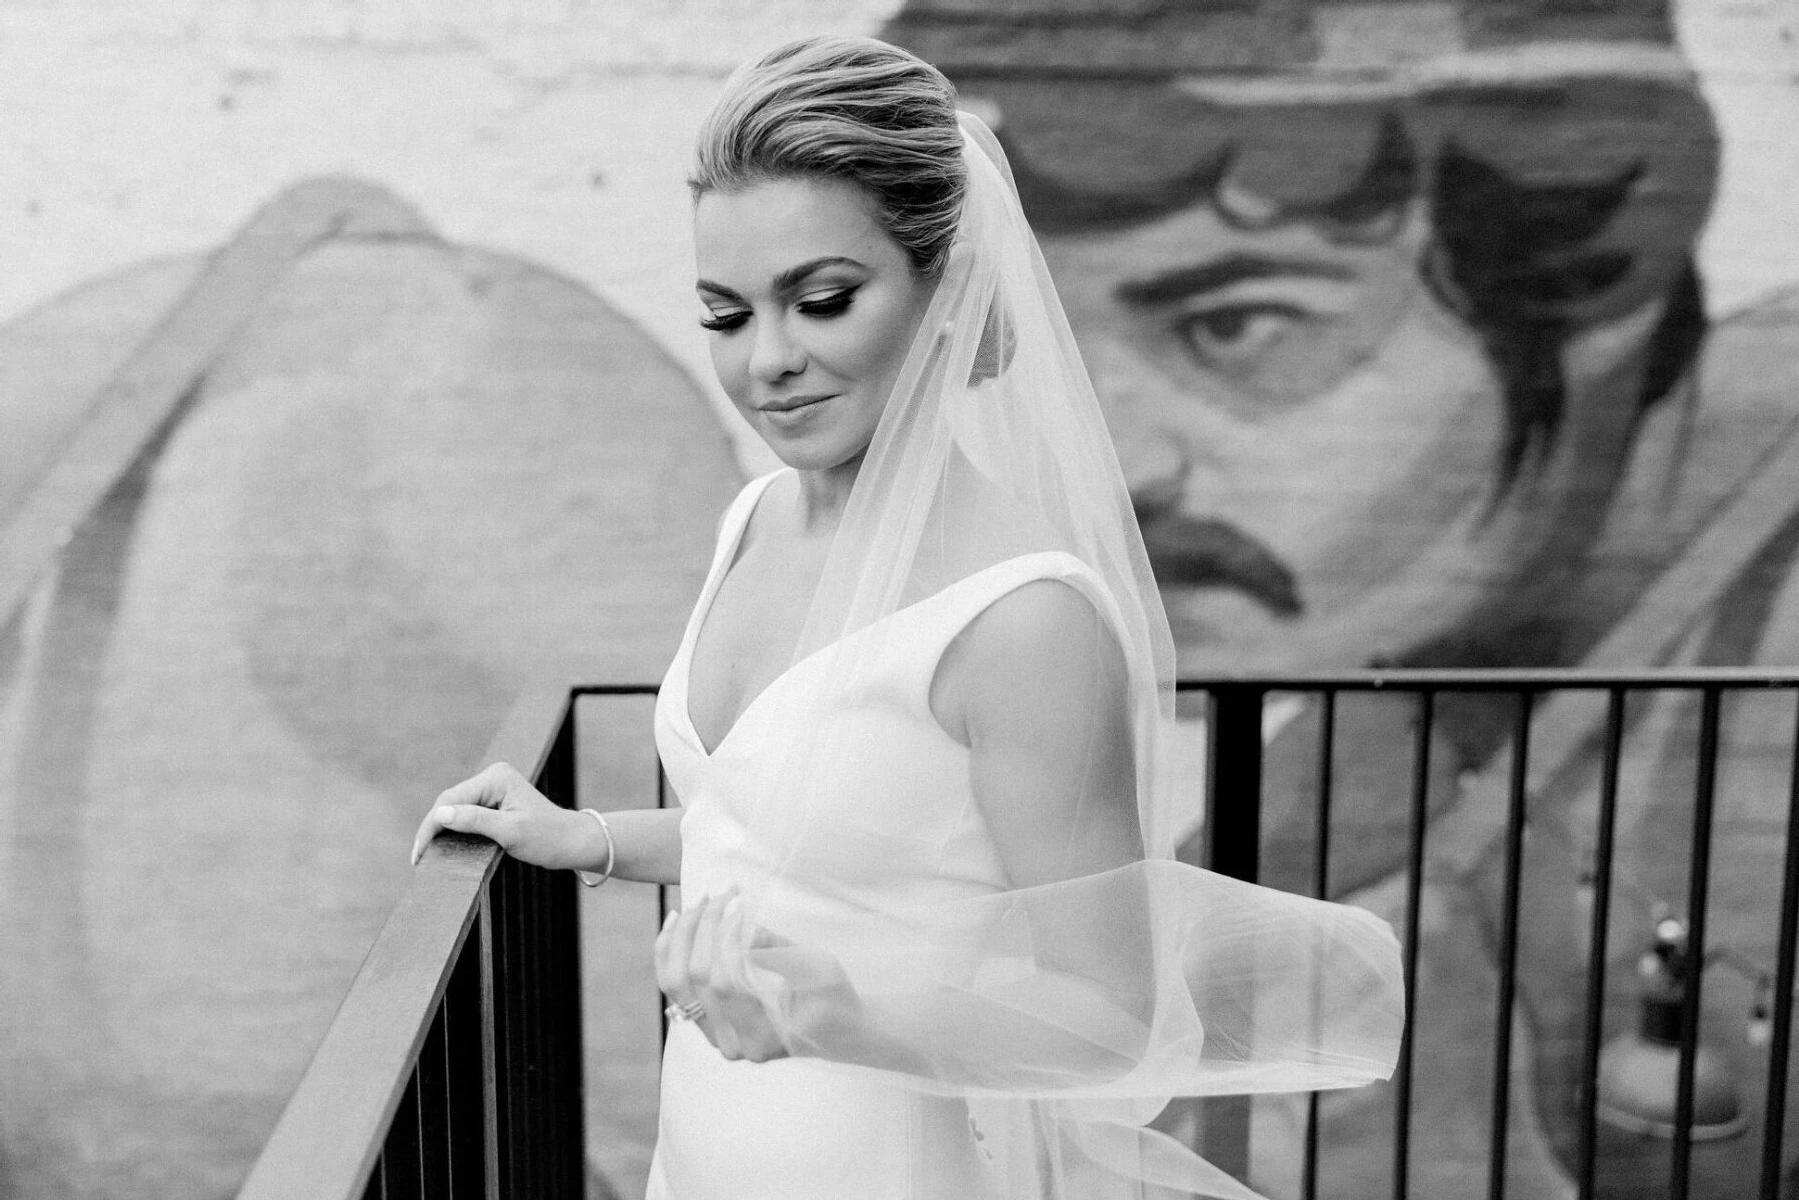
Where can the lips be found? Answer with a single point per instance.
(790, 403)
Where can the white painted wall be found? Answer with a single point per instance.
(554, 129)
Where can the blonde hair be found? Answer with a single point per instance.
(845, 108)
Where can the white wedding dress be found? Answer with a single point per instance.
(1009, 1043)
(801, 1128)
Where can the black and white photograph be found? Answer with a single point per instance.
(899, 599)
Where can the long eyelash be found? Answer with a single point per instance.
(724, 323)
(829, 306)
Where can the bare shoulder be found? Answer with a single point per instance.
(1035, 652)
(1047, 614)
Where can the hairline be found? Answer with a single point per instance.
(749, 178)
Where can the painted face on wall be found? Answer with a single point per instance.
(1311, 437)
(810, 310)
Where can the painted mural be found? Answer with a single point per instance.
(1430, 333)
(1396, 314)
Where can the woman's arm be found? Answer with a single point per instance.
(1036, 687)
(500, 804)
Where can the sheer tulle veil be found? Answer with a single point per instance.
(1124, 988)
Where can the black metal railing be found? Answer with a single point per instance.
(1564, 735)
(478, 962)
(453, 1067)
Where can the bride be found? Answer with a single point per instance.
(934, 940)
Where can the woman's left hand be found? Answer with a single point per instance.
(703, 957)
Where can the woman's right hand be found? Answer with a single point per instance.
(500, 804)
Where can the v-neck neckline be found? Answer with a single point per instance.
(703, 609)
(722, 567)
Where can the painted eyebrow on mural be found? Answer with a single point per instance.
(1222, 272)
(787, 280)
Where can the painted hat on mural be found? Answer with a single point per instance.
(1117, 111)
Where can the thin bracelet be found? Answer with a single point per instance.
(611, 853)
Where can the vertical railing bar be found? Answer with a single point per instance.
(420, 1156)
(555, 1148)
(504, 1067)
(1508, 949)
(518, 1113)
(490, 1049)
(531, 947)
(576, 1037)
(572, 1078)
(444, 1014)
(542, 1013)
(549, 1077)
(1234, 789)
(508, 1033)
(468, 1051)
(1327, 730)
(452, 1007)
(530, 1138)
(553, 910)
(1780, 1045)
(661, 895)
(548, 1018)
(1698, 881)
(1233, 848)
(577, 1117)
(1599, 932)
(1414, 902)
(523, 1110)
(418, 1135)
(531, 1027)
(432, 1113)
(400, 1163)
(555, 1056)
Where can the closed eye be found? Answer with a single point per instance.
(724, 322)
(828, 306)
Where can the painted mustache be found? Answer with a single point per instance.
(1199, 552)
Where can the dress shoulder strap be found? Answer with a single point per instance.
(938, 619)
(736, 516)
(955, 606)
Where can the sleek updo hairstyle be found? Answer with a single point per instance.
(847, 108)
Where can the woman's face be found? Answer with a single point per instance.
(811, 307)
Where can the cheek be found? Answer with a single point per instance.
(730, 365)
(863, 348)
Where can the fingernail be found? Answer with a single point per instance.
(446, 814)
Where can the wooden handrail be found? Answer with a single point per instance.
(328, 1138)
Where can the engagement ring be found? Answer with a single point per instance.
(690, 1011)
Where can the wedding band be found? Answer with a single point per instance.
(693, 1010)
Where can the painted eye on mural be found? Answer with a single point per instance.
(1235, 337)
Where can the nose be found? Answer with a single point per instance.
(1153, 457)
(1154, 465)
(775, 354)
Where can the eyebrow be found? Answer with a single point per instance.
(1222, 272)
(787, 280)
